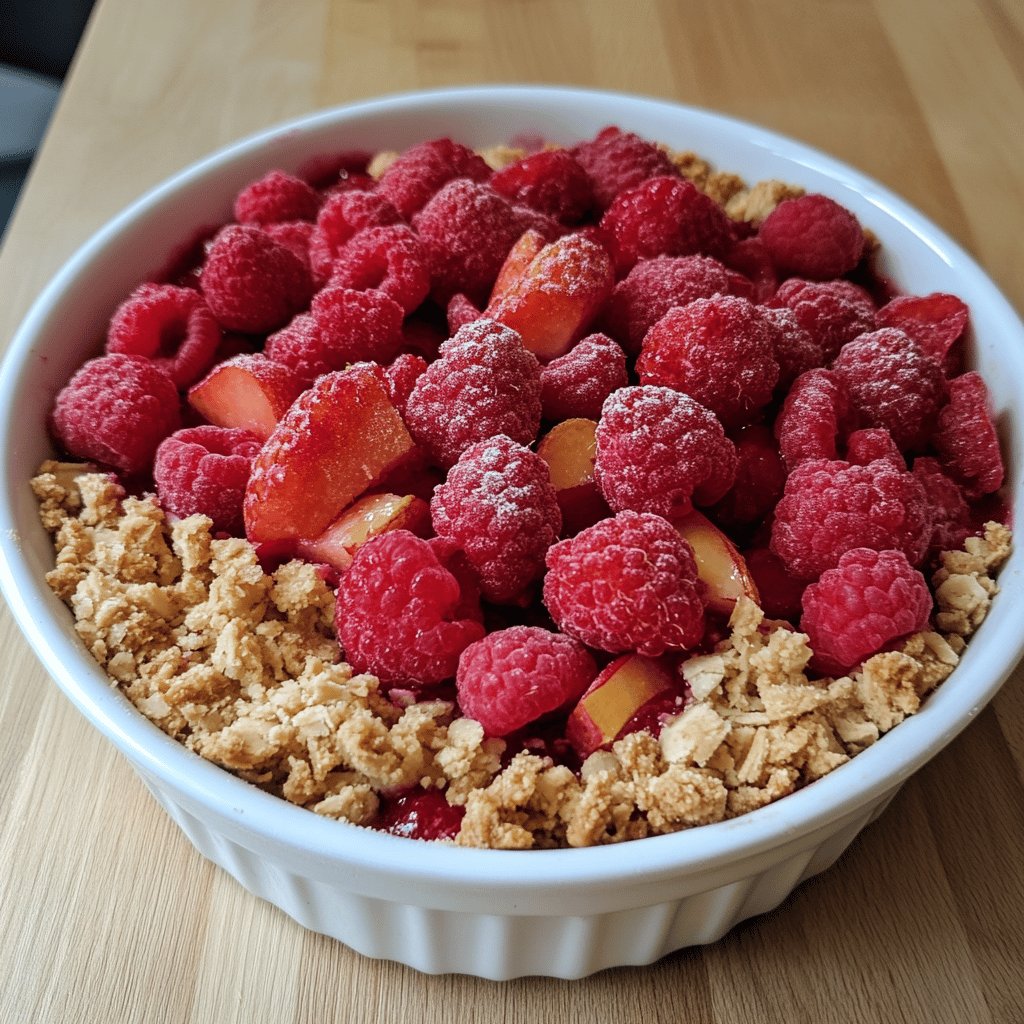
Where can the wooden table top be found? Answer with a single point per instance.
(107, 913)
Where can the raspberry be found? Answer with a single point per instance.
(499, 507)
(663, 217)
(796, 351)
(760, 477)
(719, 351)
(812, 236)
(551, 181)
(833, 312)
(204, 470)
(401, 612)
(401, 377)
(661, 451)
(628, 583)
(483, 383)
(172, 326)
(276, 197)
(389, 259)
(467, 230)
(813, 419)
(616, 160)
(294, 235)
(461, 312)
(252, 283)
(514, 676)
(422, 814)
(892, 384)
(935, 322)
(422, 170)
(868, 600)
(829, 507)
(951, 515)
(577, 384)
(871, 443)
(342, 217)
(116, 409)
(779, 593)
(653, 287)
(749, 257)
(966, 438)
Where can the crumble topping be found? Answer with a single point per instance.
(242, 667)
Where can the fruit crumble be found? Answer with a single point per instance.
(526, 500)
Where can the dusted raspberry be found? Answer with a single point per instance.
(868, 600)
(294, 235)
(422, 814)
(829, 507)
(301, 348)
(172, 326)
(204, 470)
(116, 409)
(401, 612)
(616, 160)
(276, 197)
(499, 507)
(892, 384)
(661, 451)
(796, 350)
(461, 312)
(653, 287)
(628, 583)
(951, 516)
(966, 438)
(514, 676)
(552, 181)
(389, 259)
(401, 377)
(935, 322)
(749, 257)
(814, 418)
(483, 383)
(871, 443)
(467, 230)
(719, 351)
(760, 477)
(577, 384)
(813, 236)
(663, 217)
(779, 593)
(422, 170)
(342, 217)
(833, 312)
(252, 283)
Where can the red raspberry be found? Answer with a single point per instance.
(813, 236)
(294, 235)
(422, 170)
(552, 181)
(467, 230)
(276, 197)
(391, 260)
(833, 312)
(421, 814)
(401, 613)
(577, 384)
(653, 287)
(829, 507)
(814, 418)
(871, 443)
(342, 217)
(892, 384)
(796, 350)
(966, 438)
(749, 257)
(628, 583)
(461, 312)
(935, 322)
(204, 470)
(760, 477)
(252, 283)
(483, 383)
(779, 593)
(514, 676)
(661, 451)
(172, 326)
(401, 376)
(116, 409)
(719, 351)
(499, 507)
(616, 160)
(868, 600)
(951, 516)
(663, 217)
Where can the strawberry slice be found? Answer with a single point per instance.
(337, 440)
(518, 260)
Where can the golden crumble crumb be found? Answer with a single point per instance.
(500, 157)
(380, 162)
(754, 204)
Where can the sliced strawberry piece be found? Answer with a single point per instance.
(517, 262)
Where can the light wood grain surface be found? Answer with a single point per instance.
(106, 912)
